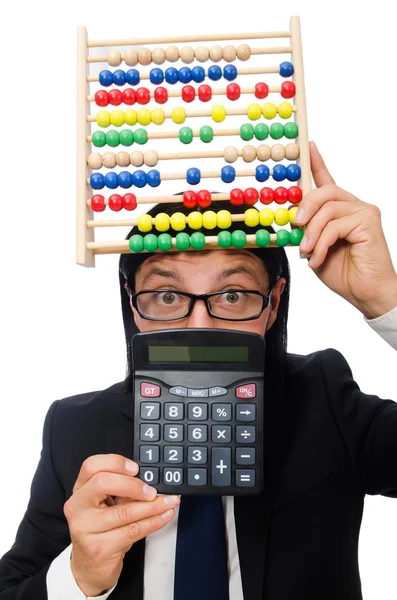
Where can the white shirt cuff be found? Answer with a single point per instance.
(61, 585)
(386, 327)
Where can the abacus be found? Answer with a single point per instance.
(129, 114)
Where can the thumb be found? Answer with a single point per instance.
(321, 175)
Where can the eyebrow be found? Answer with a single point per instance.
(167, 273)
(163, 273)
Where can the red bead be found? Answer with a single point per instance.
(261, 90)
(142, 95)
(203, 199)
(188, 93)
(233, 91)
(236, 197)
(281, 195)
(288, 89)
(161, 95)
(204, 93)
(266, 195)
(189, 199)
(129, 96)
(115, 97)
(129, 201)
(101, 98)
(98, 203)
(295, 194)
(251, 196)
(115, 202)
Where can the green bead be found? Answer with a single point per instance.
(296, 236)
(239, 238)
(283, 237)
(182, 240)
(150, 242)
(261, 131)
(113, 138)
(206, 134)
(136, 243)
(291, 130)
(197, 240)
(164, 242)
(141, 136)
(99, 138)
(186, 135)
(262, 238)
(126, 137)
(247, 132)
(276, 131)
(224, 239)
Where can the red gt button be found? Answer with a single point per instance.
(150, 390)
(246, 391)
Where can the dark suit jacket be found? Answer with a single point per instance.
(328, 444)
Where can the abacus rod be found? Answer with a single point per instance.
(244, 71)
(189, 38)
(165, 135)
(134, 222)
(168, 199)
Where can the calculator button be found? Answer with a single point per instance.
(217, 391)
(173, 412)
(197, 456)
(197, 476)
(197, 412)
(150, 410)
(221, 466)
(173, 433)
(193, 393)
(245, 412)
(245, 477)
(222, 434)
(197, 433)
(149, 454)
(245, 456)
(178, 391)
(173, 454)
(246, 391)
(149, 432)
(245, 434)
(150, 390)
(149, 474)
(221, 412)
(173, 476)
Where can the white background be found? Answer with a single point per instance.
(61, 329)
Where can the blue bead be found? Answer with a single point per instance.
(153, 178)
(171, 75)
(230, 72)
(193, 176)
(97, 181)
(214, 72)
(119, 77)
(262, 173)
(185, 75)
(286, 69)
(139, 178)
(228, 174)
(132, 77)
(156, 76)
(279, 172)
(106, 78)
(111, 180)
(125, 179)
(198, 74)
(293, 172)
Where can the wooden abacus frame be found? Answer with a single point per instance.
(87, 247)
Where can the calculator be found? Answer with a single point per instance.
(198, 396)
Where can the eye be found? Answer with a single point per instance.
(167, 298)
(232, 297)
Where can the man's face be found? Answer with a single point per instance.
(205, 272)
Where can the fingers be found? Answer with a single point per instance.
(332, 232)
(104, 484)
(114, 463)
(321, 175)
(315, 199)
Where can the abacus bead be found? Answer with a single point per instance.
(193, 176)
(130, 116)
(136, 158)
(161, 95)
(94, 160)
(117, 118)
(251, 196)
(249, 153)
(111, 180)
(99, 139)
(224, 239)
(236, 197)
(204, 93)
(247, 132)
(125, 179)
(162, 222)
(153, 178)
(269, 110)
(204, 199)
(251, 217)
(288, 89)
(189, 199)
(178, 115)
(158, 56)
(122, 159)
(195, 220)
(185, 75)
(286, 69)
(129, 202)
(186, 135)
(151, 158)
(276, 131)
(239, 238)
(206, 134)
(228, 174)
(114, 58)
(145, 56)
(188, 93)
(101, 98)
(230, 72)
(281, 216)
(224, 219)
(218, 113)
(243, 52)
(164, 242)
(158, 116)
(293, 172)
(233, 91)
(115, 97)
(230, 154)
(142, 95)
(229, 53)
(209, 219)
(126, 137)
(115, 202)
(182, 241)
(119, 77)
(156, 76)
(262, 238)
(136, 243)
(144, 116)
(291, 130)
(262, 173)
(216, 53)
(261, 131)
(292, 151)
(281, 195)
(261, 90)
(266, 217)
(172, 53)
(202, 53)
(132, 77)
(98, 203)
(178, 221)
(171, 75)
(292, 213)
(279, 172)
(113, 138)
(277, 152)
(295, 194)
(97, 181)
(254, 111)
(266, 195)
(139, 179)
(106, 78)
(285, 110)
(197, 240)
(296, 236)
(186, 54)
(283, 237)
(150, 242)
(214, 73)
(108, 160)
(263, 152)
(131, 57)
(145, 223)
(198, 74)
(103, 118)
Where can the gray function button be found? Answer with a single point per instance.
(149, 454)
(197, 456)
(217, 391)
(245, 456)
(173, 433)
(178, 390)
(173, 411)
(245, 412)
(197, 477)
(149, 474)
(221, 412)
(221, 466)
(197, 433)
(245, 434)
(150, 410)
(173, 454)
(245, 477)
(197, 412)
(173, 476)
(149, 432)
(193, 393)
(222, 434)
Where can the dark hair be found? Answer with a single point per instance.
(275, 262)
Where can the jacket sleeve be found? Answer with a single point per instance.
(42, 534)
(367, 425)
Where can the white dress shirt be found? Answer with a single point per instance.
(160, 546)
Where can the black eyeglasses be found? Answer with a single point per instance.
(230, 305)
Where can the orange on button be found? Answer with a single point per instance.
(150, 390)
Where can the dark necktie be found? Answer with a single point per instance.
(201, 559)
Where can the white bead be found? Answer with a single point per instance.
(292, 151)
(216, 53)
(202, 53)
(136, 158)
(172, 53)
(263, 152)
(187, 54)
(151, 158)
(131, 57)
(114, 58)
(230, 154)
(94, 160)
(243, 52)
(249, 153)
(145, 56)
(123, 159)
(158, 56)
(229, 53)
(109, 160)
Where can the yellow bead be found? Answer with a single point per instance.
(103, 118)
(144, 223)
(209, 219)
(130, 116)
(162, 222)
(254, 111)
(144, 116)
(117, 118)
(269, 110)
(218, 113)
(266, 217)
(178, 115)
(251, 217)
(178, 221)
(224, 219)
(195, 220)
(285, 110)
(292, 213)
(281, 216)
(158, 116)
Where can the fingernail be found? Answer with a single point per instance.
(168, 514)
(172, 500)
(131, 467)
(300, 215)
(303, 243)
(149, 492)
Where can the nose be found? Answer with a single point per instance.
(200, 316)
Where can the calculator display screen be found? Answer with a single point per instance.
(198, 354)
